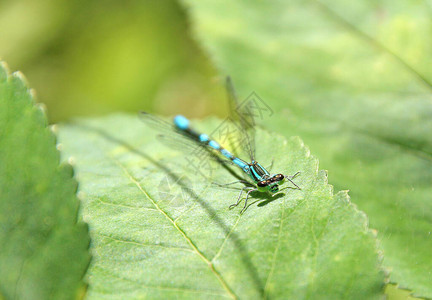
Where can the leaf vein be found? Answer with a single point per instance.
(226, 238)
(142, 244)
(266, 290)
(345, 23)
(123, 205)
(180, 230)
(163, 288)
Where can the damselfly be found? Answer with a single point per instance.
(262, 180)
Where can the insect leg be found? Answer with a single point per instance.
(237, 181)
(292, 177)
(247, 196)
(271, 165)
(239, 197)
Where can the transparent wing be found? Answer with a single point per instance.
(169, 135)
(160, 125)
(244, 118)
(197, 156)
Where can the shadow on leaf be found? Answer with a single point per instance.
(241, 250)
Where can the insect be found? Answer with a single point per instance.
(262, 180)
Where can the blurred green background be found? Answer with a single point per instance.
(95, 57)
(87, 58)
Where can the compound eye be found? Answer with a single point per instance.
(263, 183)
(279, 177)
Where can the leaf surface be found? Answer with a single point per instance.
(44, 250)
(354, 81)
(160, 230)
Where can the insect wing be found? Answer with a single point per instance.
(244, 118)
(199, 157)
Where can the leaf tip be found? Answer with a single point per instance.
(4, 70)
(298, 141)
(32, 93)
(344, 196)
(21, 78)
(54, 129)
(72, 161)
(42, 108)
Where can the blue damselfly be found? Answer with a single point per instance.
(262, 180)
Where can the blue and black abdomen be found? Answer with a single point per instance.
(182, 124)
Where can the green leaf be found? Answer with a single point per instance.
(44, 250)
(354, 81)
(392, 292)
(160, 230)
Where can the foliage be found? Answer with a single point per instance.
(161, 231)
(44, 250)
(354, 81)
(351, 79)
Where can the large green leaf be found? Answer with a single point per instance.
(43, 250)
(353, 79)
(161, 231)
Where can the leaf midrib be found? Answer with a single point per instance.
(180, 230)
